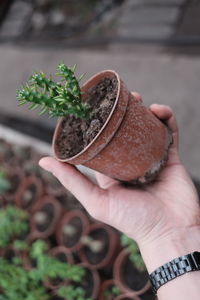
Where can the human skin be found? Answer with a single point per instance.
(162, 217)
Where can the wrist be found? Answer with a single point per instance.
(177, 243)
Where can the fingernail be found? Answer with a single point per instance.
(43, 164)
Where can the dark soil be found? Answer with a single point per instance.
(87, 283)
(48, 209)
(10, 254)
(15, 182)
(76, 133)
(134, 279)
(148, 296)
(98, 235)
(70, 241)
(61, 257)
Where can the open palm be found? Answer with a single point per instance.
(144, 213)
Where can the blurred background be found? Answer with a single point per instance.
(153, 44)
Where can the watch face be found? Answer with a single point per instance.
(196, 256)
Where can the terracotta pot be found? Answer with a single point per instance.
(15, 177)
(28, 262)
(132, 145)
(128, 278)
(47, 213)
(91, 282)
(110, 246)
(29, 192)
(62, 254)
(106, 290)
(79, 221)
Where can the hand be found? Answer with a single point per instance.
(149, 214)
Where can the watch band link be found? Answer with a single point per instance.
(175, 268)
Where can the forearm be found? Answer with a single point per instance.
(159, 252)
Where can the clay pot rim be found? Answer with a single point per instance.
(69, 215)
(113, 239)
(117, 277)
(96, 277)
(57, 213)
(62, 249)
(52, 252)
(25, 183)
(106, 283)
(109, 72)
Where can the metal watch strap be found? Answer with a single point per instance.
(175, 268)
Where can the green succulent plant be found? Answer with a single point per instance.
(55, 98)
(113, 291)
(15, 281)
(72, 293)
(134, 251)
(50, 267)
(13, 223)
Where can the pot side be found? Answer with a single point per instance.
(132, 145)
(119, 278)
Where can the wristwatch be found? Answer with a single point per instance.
(175, 268)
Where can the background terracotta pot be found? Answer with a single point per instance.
(28, 262)
(110, 246)
(92, 277)
(80, 222)
(132, 144)
(62, 254)
(126, 275)
(106, 287)
(15, 177)
(28, 193)
(49, 208)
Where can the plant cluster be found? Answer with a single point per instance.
(13, 223)
(134, 251)
(15, 281)
(114, 291)
(57, 99)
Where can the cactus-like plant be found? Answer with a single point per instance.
(134, 252)
(55, 98)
